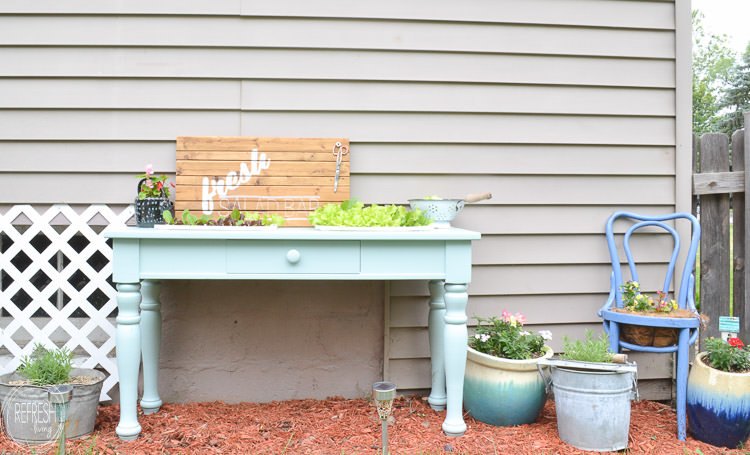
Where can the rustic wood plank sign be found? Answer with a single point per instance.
(287, 176)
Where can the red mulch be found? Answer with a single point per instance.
(338, 426)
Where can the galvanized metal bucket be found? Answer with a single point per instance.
(29, 418)
(592, 402)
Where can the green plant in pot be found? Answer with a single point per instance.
(718, 395)
(28, 416)
(152, 199)
(502, 385)
(592, 394)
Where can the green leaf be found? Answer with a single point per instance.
(167, 215)
(350, 204)
(47, 367)
(185, 216)
(354, 213)
(235, 214)
(273, 219)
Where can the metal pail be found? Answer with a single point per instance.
(593, 407)
(29, 418)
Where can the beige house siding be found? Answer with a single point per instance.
(565, 110)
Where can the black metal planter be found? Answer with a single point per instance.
(149, 211)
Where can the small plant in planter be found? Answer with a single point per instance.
(718, 395)
(235, 218)
(28, 417)
(662, 306)
(592, 394)
(152, 199)
(502, 385)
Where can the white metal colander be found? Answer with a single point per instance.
(440, 211)
(443, 211)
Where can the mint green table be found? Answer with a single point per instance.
(441, 256)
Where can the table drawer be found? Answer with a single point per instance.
(272, 256)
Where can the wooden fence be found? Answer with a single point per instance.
(719, 182)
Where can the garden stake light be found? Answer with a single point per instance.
(383, 393)
(59, 396)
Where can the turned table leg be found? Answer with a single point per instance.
(437, 398)
(150, 345)
(456, 336)
(128, 339)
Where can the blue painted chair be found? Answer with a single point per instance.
(687, 327)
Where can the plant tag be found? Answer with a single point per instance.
(729, 327)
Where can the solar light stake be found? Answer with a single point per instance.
(59, 396)
(383, 393)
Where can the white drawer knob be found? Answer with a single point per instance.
(293, 256)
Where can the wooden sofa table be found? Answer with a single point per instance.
(442, 256)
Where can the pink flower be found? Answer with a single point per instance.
(149, 170)
(149, 183)
(506, 316)
(520, 318)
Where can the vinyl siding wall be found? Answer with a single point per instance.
(565, 110)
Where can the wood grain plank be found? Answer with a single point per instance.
(272, 181)
(234, 155)
(265, 144)
(719, 182)
(741, 215)
(284, 168)
(194, 193)
(715, 262)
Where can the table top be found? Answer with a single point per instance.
(290, 234)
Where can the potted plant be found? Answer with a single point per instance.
(233, 219)
(502, 385)
(27, 414)
(636, 302)
(153, 198)
(718, 395)
(592, 394)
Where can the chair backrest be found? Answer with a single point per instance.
(686, 282)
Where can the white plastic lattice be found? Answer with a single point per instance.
(56, 283)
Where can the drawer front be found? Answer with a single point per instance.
(282, 256)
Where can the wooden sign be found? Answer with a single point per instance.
(287, 176)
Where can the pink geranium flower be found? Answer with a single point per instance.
(149, 170)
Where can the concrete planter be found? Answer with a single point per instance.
(29, 418)
(718, 405)
(503, 392)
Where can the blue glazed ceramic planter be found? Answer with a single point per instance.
(503, 392)
(718, 405)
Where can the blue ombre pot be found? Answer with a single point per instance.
(718, 405)
(503, 392)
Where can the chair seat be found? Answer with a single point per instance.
(651, 321)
